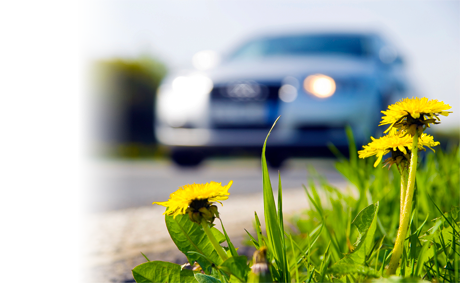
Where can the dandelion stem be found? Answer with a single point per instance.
(403, 191)
(214, 242)
(404, 219)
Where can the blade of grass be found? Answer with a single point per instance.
(335, 151)
(309, 248)
(428, 273)
(324, 256)
(348, 231)
(311, 275)
(380, 226)
(442, 214)
(456, 263)
(378, 252)
(260, 237)
(443, 244)
(436, 260)
(413, 240)
(316, 205)
(419, 229)
(230, 245)
(281, 224)
(446, 253)
(420, 261)
(403, 263)
(434, 271)
(383, 263)
(336, 250)
(352, 147)
(295, 264)
(412, 272)
(316, 195)
(280, 205)
(449, 269)
(145, 256)
(374, 253)
(253, 240)
(310, 245)
(386, 257)
(272, 222)
(324, 267)
(456, 267)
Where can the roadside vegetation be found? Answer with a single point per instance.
(338, 223)
(124, 97)
(396, 224)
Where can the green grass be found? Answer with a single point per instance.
(348, 235)
(344, 235)
(324, 235)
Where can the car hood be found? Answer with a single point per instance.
(277, 68)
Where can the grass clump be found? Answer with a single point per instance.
(329, 230)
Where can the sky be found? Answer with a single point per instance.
(427, 33)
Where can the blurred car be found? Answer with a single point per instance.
(317, 82)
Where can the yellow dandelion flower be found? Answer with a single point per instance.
(415, 113)
(396, 142)
(196, 198)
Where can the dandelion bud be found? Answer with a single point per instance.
(196, 217)
(260, 271)
(205, 213)
(214, 211)
(197, 268)
(190, 214)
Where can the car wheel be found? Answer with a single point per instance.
(187, 158)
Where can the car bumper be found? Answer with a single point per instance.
(242, 138)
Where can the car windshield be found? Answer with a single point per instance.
(300, 45)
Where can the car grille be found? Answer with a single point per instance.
(349, 85)
(245, 92)
(243, 95)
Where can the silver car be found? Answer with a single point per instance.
(317, 82)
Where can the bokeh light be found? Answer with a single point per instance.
(287, 93)
(319, 85)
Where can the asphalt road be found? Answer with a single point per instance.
(116, 184)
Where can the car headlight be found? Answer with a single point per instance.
(185, 100)
(194, 84)
(319, 85)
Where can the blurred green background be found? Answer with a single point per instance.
(115, 106)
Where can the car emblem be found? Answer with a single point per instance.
(245, 90)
